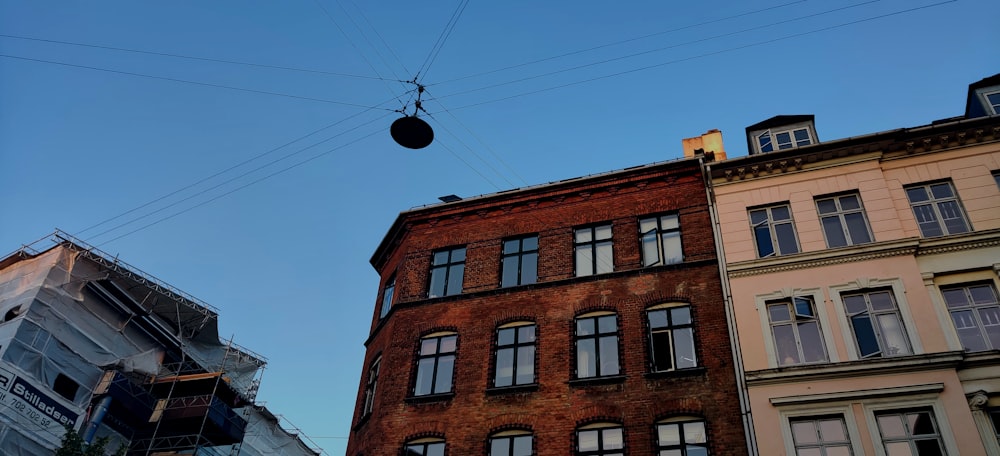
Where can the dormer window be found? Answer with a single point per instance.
(770, 139)
(993, 101)
(984, 98)
(781, 133)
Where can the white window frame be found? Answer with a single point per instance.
(819, 300)
(890, 404)
(934, 283)
(772, 231)
(934, 204)
(787, 414)
(898, 291)
(790, 129)
(840, 213)
(983, 95)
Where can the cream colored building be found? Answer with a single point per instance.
(863, 284)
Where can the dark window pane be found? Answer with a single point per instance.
(858, 228)
(881, 300)
(526, 334)
(865, 334)
(509, 274)
(778, 313)
(529, 268)
(662, 351)
(983, 294)
(826, 206)
(801, 135)
(917, 194)
(680, 315)
(506, 336)
(657, 318)
(441, 258)
(855, 304)
(941, 191)
(512, 246)
(763, 236)
(850, 202)
(442, 383)
(458, 255)
(522, 445)
(780, 213)
(803, 307)
(437, 282)
(455, 278)
(425, 377)
(786, 238)
(812, 342)
(758, 216)
(584, 326)
(834, 232)
(500, 447)
(955, 297)
(607, 324)
(929, 447)
(435, 449)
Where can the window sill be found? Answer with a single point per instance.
(591, 381)
(361, 422)
(679, 373)
(428, 398)
(496, 391)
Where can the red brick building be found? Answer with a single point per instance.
(579, 317)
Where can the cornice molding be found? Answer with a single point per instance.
(909, 390)
(958, 243)
(826, 257)
(853, 369)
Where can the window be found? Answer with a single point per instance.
(773, 231)
(511, 443)
(65, 387)
(600, 439)
(597, 345)
(976, 313)
(592, 247)
(520, 261)
(371, 387)
(996, 177)
(876, 324)
(797, 335)
(770, 140)
(671, 338)
(661, 240)
(993, 100)
(681, 436)
(425, 447)
(447, 271)
(910, 432)
(937, 209)
(821, 436)
(387, 292)
(515, 355)
(843, 220)
(435, 364)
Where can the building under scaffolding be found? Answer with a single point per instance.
(89, 342)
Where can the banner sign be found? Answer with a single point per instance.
(33, 403)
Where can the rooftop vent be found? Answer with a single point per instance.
(450, 198)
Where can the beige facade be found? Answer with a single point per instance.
(863, 283)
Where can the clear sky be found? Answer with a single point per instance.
(520, 93)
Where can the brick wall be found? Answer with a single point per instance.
(554, 408)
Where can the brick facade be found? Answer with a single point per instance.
(557, 403)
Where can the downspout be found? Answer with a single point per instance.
(741, 385)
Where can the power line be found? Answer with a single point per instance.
(439, 44)
(158, 221)
(188, 57)
(474, 153)
(673, 46)
(204, 84)
(629, 40)
(709, 54)
(224, 171)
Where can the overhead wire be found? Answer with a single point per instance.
(248, 184)
(442, 38)
(188, 57)
(673, 46)
(708, 54)
(490, 166)
(224, 171)
(203, 84)
(629, 40)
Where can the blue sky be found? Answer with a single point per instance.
(87, 133)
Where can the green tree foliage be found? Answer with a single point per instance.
(73, 445)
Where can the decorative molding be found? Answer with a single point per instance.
(910, 390)
(851, 369)
(958, 243)
(820, 258)
(977, 400)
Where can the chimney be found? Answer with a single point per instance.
(708, 145)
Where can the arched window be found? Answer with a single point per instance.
(515, 354)
(430, 446)
(597, 345)
(436, 363)
(682, 436)
(600, 439)
(671, 337)
(517, 442)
